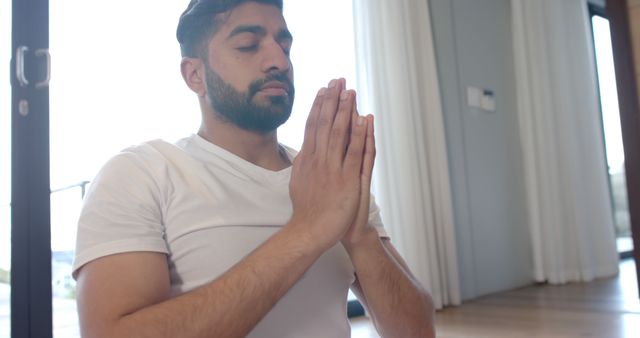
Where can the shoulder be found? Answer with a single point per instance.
(146, 156)
(151, 151)
(135, 167)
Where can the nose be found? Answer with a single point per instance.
(276, 59)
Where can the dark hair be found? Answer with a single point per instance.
(198, 22)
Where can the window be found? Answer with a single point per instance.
(611, 127)
(114, 85)
(321, 51)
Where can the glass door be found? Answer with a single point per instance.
(116, 82)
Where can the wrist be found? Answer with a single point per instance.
(302, 232)
(366, 241)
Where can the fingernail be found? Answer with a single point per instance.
(344, 95)
(322, 91)
(332, 83)
(360, 121)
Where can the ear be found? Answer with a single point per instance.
(193, 73)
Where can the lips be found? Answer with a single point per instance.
(275, 88)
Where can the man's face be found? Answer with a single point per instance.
(249, 75)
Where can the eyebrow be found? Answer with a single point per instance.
(283, 34)
(253, 29)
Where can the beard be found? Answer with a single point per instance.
(240, 108)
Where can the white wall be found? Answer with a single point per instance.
(474, 48)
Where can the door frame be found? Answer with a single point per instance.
(31, 295)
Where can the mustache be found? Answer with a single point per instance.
(255, 86)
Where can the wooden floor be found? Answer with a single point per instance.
(606, 308)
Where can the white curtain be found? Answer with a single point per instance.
(570, 213)
(398, 83)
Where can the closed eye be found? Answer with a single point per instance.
(248, 49)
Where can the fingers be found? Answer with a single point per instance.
(339, 136)
(369, 153)
(327, 116)
(309, 143)
(335, 131)
(362, 217)
(367, 165)
(355, 150)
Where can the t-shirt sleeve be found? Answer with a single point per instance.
(122, 211)
(374, 218)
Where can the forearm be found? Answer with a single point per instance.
(397, 303)
(234, 303)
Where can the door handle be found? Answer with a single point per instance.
(44, 83)
(20, 69)
(20, 75)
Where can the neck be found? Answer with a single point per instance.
(260, 149)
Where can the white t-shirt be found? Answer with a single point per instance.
(207, 208)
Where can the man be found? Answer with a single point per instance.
(229, 234)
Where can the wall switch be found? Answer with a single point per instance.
(474, 96)
(488, 101)
(482, 99)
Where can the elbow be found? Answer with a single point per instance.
(430, 327)
(425, 325)
(418, 323)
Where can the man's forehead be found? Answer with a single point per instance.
(253, 14)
